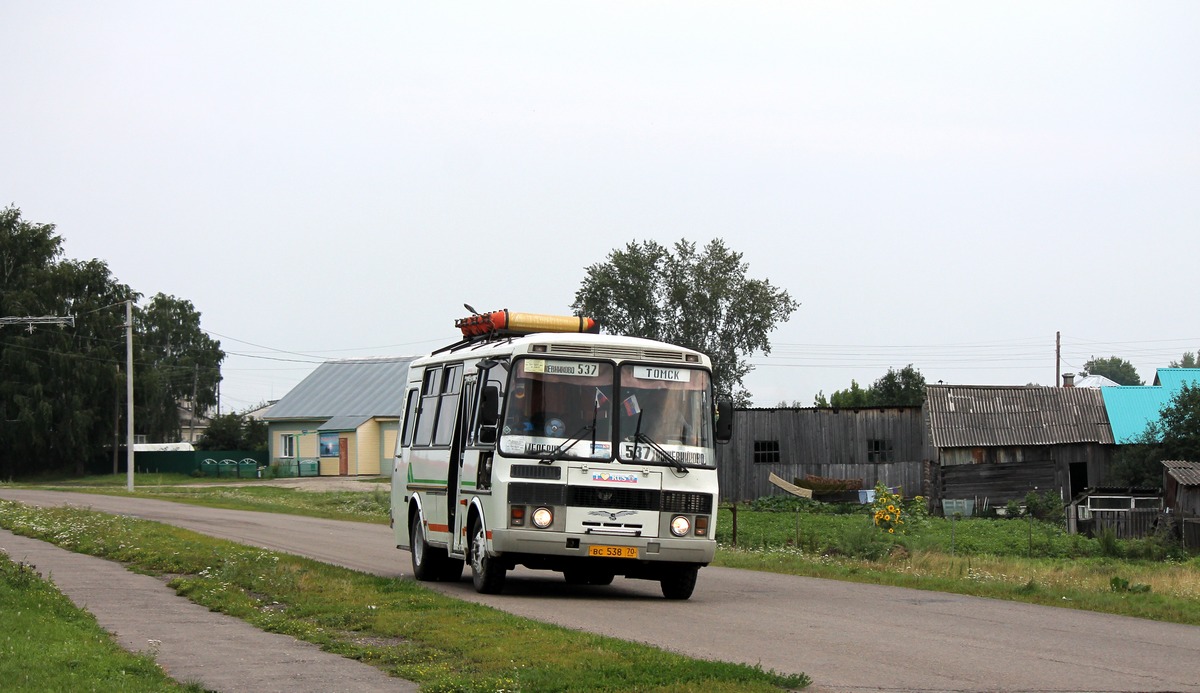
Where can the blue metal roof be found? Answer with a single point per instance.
(1132, 408)
(348, 388)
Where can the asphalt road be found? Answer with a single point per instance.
(847, 637)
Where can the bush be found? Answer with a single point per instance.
(1046, 506)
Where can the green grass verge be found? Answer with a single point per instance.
(49, 644)
(400, 626)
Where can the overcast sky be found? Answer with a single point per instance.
(942, 184)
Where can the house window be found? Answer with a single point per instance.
(766, 452)
(287, 445)
(880, 450)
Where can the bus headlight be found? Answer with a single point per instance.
(680, 525)
(543, 518)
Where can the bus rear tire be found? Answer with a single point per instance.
(486, 572)
(429, 563)
(679, 583)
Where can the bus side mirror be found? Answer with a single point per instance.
(489, 414)
(724, 423)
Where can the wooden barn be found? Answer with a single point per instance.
(994, 444)
(874, 444)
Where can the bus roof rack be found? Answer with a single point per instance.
(504, 324)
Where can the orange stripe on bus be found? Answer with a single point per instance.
(438, 528)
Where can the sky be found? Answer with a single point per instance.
(992, 192)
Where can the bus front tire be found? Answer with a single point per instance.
(679, 582)
(487, 573)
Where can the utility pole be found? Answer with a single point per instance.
(129, 395)
(1057, 359)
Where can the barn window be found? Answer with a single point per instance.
(766, 452)
(880, 450)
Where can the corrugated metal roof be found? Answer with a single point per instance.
(1132, 408)
(344, 423)
(352, 387)
(1186, 473)
(977, 415)
(1095, 381)
(1175, 378)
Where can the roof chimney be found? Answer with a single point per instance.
(1068, 380)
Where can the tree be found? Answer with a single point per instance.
(905, 387)
(60, 387)
(853, 396)
(234, 432)
(699, 300)
(896, 388)
(1116, 369)
(1188, 360)
(1174, 436)
(178, 363)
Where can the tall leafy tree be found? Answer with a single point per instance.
(1188, 360)
(899, 388)
(59, 386)
(896, 388)
(234, 432)
(853, 396)
(1114, 368)
(179, 364)
(700, 299)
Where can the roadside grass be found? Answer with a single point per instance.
(248, 494)
(400, 626)
(49, 644)
(1019, 560)
(1016, 559)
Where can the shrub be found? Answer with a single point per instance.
(1046, 506)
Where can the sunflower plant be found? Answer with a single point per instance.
(888, 510)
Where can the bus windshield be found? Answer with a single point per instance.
(559, 407)
(665, 416)
(565, 409)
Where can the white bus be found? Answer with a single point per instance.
(535, 441)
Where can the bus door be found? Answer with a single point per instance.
(464, 461)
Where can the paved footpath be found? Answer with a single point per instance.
(193, 644)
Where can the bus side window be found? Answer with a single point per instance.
(448, 404)
(410, 417)
(427, 415)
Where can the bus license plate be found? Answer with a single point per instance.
(613, 551)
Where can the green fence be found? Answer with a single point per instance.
(293, 467)
(243, 464)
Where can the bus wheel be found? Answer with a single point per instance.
(486, 572)
(678, 583)
(428, 563)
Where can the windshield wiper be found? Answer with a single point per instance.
(660, 450)
(570, 443)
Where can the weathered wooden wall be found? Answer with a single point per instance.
(1005, 473)
(823, 442)
(996, 484)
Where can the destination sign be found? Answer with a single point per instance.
(675, 375)
(581, 369)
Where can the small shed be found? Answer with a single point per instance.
(1131, 513)
(1181, 497)
(997, 443)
